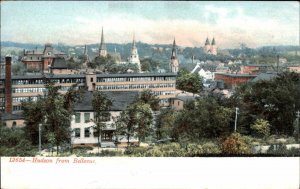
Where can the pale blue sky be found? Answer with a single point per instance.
(80, 22)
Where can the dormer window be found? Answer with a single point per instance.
(49, 53)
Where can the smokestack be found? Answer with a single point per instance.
(8, 94)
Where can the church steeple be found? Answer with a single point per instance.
(213, 49)
(134, 57)
(86, 59)
(213, 42)
(85, 50)
(174, 54)
(102, 48)
(207, 41)
(133, 42)
(174, 63)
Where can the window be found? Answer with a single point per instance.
(77, 132)
(49, 53)
(92, 79)
(77, 117)
(87, 132)
(86, 117)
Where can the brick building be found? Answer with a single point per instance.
(40, 60)
(232, 80)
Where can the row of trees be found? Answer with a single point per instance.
(265, 108)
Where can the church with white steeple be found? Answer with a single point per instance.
(134, 56)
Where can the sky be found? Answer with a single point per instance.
(154, 22)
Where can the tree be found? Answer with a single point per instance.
(101, 104)
(135, 121)
(165, 123)
(203, 118)
(276, 101)
(147, 97)
(261, 128)
(57, 118)
(148, 65)
(54, 111)
(15, 143)
(190, 82)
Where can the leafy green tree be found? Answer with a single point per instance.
(54, 111)
(15, 143)
(101, 104)
(190, 82)
(149, 65)
(276, 101)
(136, 120)
(203, 118)
(33, 112)
(147, 97)
(165, 123)
(261, 128)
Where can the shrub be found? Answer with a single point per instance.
(235, 144)
(193, 150)
(110, 153)
(211, 148)
(261, 128)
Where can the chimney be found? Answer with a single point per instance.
(8, 93)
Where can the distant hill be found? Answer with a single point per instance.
(158, 52)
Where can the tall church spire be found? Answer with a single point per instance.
(207, 41)
(86, 59)
(174, 63)
(85, 50)
(213, 42)
(133, 42)
(213, 48)
(174, 50)
(102, 48)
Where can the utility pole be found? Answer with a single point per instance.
(235, 122)
(298, 115)
(40, 138)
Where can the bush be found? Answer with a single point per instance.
(110, 153)
(260, 128)
(211, 148)
(193, 150)
(235, 144)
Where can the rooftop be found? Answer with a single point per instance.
(120, 100)
(236, 75)
(264, 77)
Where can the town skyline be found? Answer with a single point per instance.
(78, 23)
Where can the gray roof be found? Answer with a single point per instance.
(235, 75)
(136, 75)
(259, 65)
(120, 100)
(264, 77)
(40, 76)
(59, 63)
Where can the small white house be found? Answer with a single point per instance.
(82, 122)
